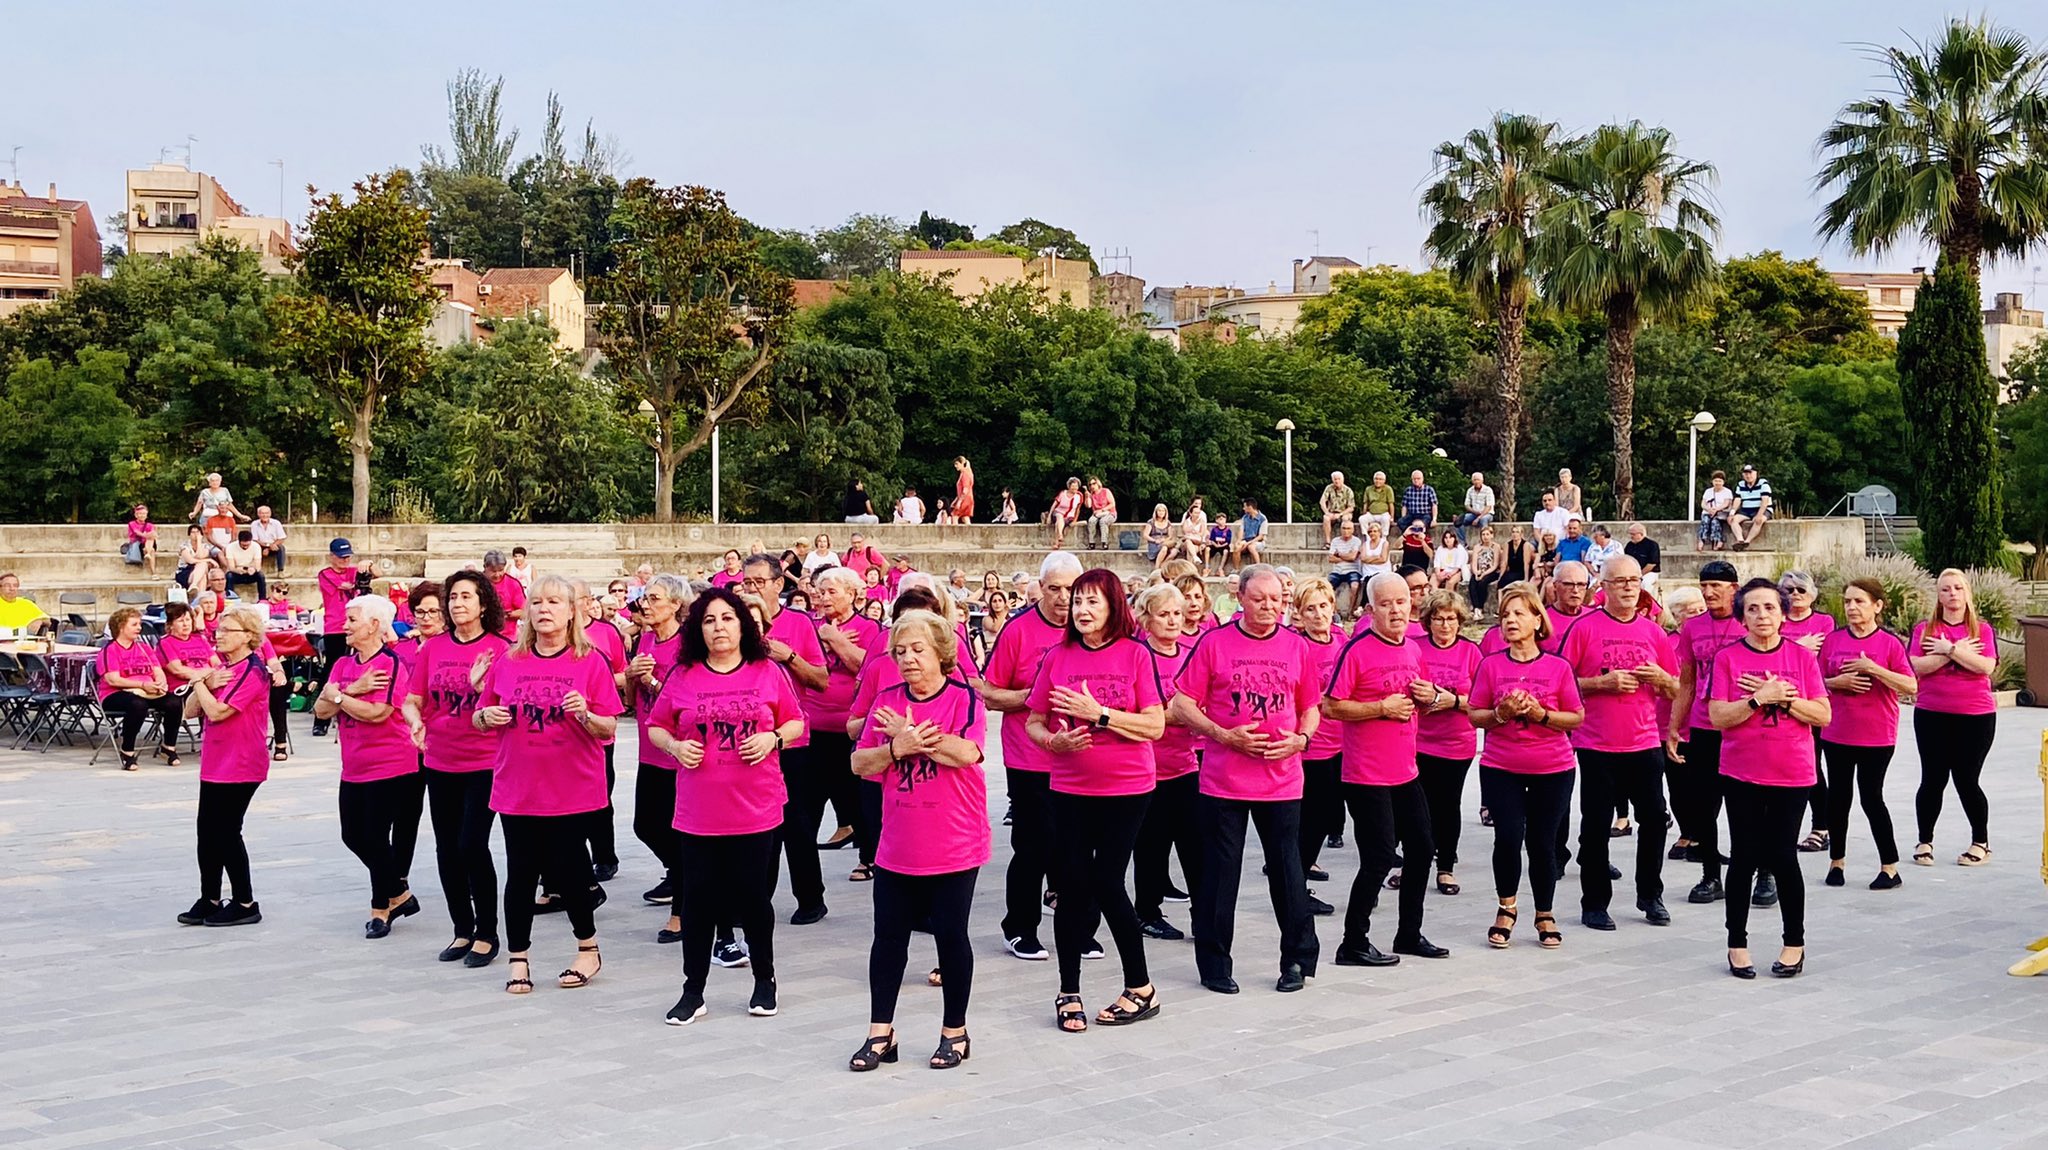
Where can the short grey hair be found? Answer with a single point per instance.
(1797, 580)
(1383, 579)
(495, 558)
(844, 575)
(1255, 571)
(674, 587)
(1059, 563)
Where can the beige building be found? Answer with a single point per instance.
(171, 208)
(1888, 295)
(46, 245)
(1271, 314)
(974, 272)
(549, 294)
(2008, 327)
(1172, 307)
(1312, 276)
(1118, 293)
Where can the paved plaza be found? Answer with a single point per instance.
(119, 1028)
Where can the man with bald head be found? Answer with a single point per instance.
(1250, 690)
(1624, 662)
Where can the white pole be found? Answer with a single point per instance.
(1289, 435)
(1692, 473)
(714, 474)
(316, 495)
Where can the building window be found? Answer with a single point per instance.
(1888, 296)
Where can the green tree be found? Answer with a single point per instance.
(938, 231)
(1481, 207)
(828, 415)
(1629, 236)
(356, 320)
(1420, 330)
(2024, 427)
(1955, 152)
(480, 144)
(691, 317)
(59, 424)
(1945, 380)
(1852, 427)
(1806, 316)
(2026, 371)
(864, 245)
(790, 252)
(1037, 235)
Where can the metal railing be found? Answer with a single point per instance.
(28, 268)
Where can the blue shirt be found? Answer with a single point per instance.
(1418, 501)
(1253, 526)
(1571, 550)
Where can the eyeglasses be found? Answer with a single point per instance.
(1580, 586)
(1617, 582)
(757, 581)
(425, 611)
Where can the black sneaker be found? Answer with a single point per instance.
(762, 1005)
(660, 892)
(1093, 951)
(201, 908)
(1027, 948)
(1318, 906)
(604, 872)
(1708, 890)
(1766, 893)
(235, 914)
(689, 1008)
(1174, 894)
(806, 915)
(1334, 842)
(1161, 929)
(727, 952)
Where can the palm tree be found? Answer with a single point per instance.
(1630, 235)
(1481, 209)
(1957, 152)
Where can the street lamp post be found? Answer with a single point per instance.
(1704, 421)
(1286, 428)
(714, 474)
(316, 495)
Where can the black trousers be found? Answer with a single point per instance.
(1703, 770)
(1763, 834)
(1818, 796)
(133, 711)
(332, 648)
(459, 803)
(1443, 785)
(1480, 591)
(280, 712)
(1031, 839)
(1097, 835)
(550, 849)
(1853, 769)
(726, 879)
(867, 830)
(221, 808)
(370, 816)
(1381, 817)
(1606, 778)
(1953, 746)
(1221, 825)
(832, 757)
(936, 902)
(654, 814)
(1321, 796)
(1169, 827)
(405, 825)
(604, 837)
(800, 814)
(1527, 810)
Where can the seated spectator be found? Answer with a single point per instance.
(898, 568)
(871, 581)
(1569, 497)
(1451, 564)
(19, 616)
(1375, 555)
(1251, 536)
(141, 545)
(279, 601)
(1478, 507)
(1752, 508)
(1194, 531)
(909, 509)
(1218, 549)
(1377, 503)
(194, 557)
(1008, 514)
(1488, 559)
(1418, 503)
(1605, 547)
(1347, 567)
(1065, 511)
(268, 531)
(1415, 546)
(1101, 533)
(821, 555)
(1158, 533)
(1338, 503)
(1546, 559)
(729, 573)
(1644, 550)
(1716, 504)
(855, 505)
(244, 564)
(1575, 547)
(521, 567)
(957, 586)
(1551, 518)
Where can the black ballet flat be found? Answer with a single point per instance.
(406, 909)
(458, 949)
(477, 959)
(1836, 877)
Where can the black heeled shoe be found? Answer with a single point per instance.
(953, 1050)
(169, 756)
(1742, 972)
(1782, 970)
(879, 1048)
(130, 761)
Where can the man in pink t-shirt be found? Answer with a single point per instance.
(1623, 661)
(1249, 691)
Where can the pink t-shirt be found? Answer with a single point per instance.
(1948, 688)
(236, 749)
(1236, 679)
(666, 654)
(604, 639)
(1377, 752)
(1769, 747)
(547, 763)
(512, 597)
(826, 710)
(408, 651)
(194, 650)
(1700, 638)
(135, 661)
(1013, 666)
(1599, 643)
(1174, 754)
(934, 818)
(1123, 676)
(337, 587)
(440, 687)
(1492, 643)
(1328, 741)
(800, 632)
(1521, 746)
(727, 579)
(380, 750)
(1448, 734)
(723, 795)
(1815, 623)
(140, 530)
(1870, 719)
(1101, 500)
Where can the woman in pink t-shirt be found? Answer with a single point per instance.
(924, 740)
(1169, 825)
(1197, 618)
(1444, 738)
(656, 651)
(1809, 628)
(1955, 715)
(1525, 699)
(1867, 670)
(724, 715)
(440, 706)
(132, 684)
(1766, 700)
(730, 572)
(848, 640)
(552, 702)
(230, 701)
(1322, 800)
(1095, 708)
(381, 787)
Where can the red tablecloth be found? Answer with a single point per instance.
(291, 644)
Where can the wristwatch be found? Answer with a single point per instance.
(1754, 705)
(1102, 720)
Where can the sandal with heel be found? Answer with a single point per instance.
(1498, 936)
(1977, 855)
(519, 985)
(879, 1048)
(1447, 883)
(1143, 1006)
(130, 761)
(1548, 939)
(953, 1050)
(1923, 855)
(572, 978)
(1067, 1009)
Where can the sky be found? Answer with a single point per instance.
(1212, 142)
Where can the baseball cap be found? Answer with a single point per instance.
(1749, 467)
(340, 549)
(1719, 571)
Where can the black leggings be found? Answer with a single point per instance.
(1852, 769)
(405, 826)
(221, 807)
(133, 710)
(1763, 835)
(1383, 817)
(867, 829)
(332, 648)
(1097, 835)
(1169, 827)
(1321, 799)
(1703, 788)
(459, 803)
(370, 814)
(1443, 785)
(935, 902)
(654, 815)
(604, 838)
(1818, 796)
(800, 815)
(1953, 746)
(280, 712)
(726, 879)
(550, 848)
(1531, 809)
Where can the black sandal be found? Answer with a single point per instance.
(1145, 1006)
(1446, 883)
(130, 761)
(1498, 936)
(870, 1055)
(1548, 939)
(519, 985)
(169, 756)
(572, 978)
(935, 978)
(953, 1050)
(862, 873)
(279, 752)
(1061, 1015)
(1815, 841)
(1485, 817)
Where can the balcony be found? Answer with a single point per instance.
(28, 268)
(188, 222)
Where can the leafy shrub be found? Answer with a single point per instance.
(1908, 588)
(409, 504)
(2011, 672)
(2001, 599)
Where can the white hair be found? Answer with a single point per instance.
(1059, 563)
(1383, 579)
(918, 579)
(378, 607)
(844, 575)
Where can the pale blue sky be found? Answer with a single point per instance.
(1207, 139)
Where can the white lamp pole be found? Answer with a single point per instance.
(1704, 421)
(1286, 428)
(714, 474)
(316, 495)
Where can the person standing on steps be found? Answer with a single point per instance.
(1693, 742)
(1867, 669)
(1249, 692)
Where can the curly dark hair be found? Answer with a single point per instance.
(493, 617)
(695, 650)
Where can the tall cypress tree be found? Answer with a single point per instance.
(1950, 400)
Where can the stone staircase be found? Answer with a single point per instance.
(579, 550)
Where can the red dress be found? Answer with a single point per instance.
(963, 495)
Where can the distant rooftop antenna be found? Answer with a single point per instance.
(189, 141)
(14, 161)
(1120, 255)
(1317, 235)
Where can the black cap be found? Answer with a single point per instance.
(1719, 571)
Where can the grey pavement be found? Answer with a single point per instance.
(119, 1028)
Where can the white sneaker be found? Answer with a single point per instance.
(1031, 951)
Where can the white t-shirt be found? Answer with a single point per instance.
(1451, 559)
(817, 559)
(1551, 522)
(245, 557)
(1347, 552)
(1715, 500)
(910, 509)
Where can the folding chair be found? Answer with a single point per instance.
(14, 693)
(134, 599)
(84, 620)
(44, 709)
